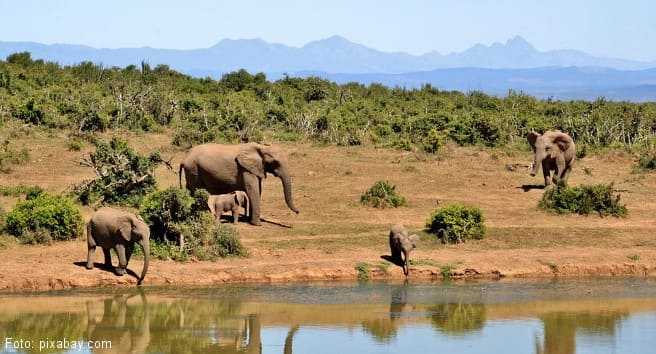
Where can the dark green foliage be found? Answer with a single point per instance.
(584, 200)
(244, 107)
(647, 161)
(122, 175)
(382, 195)
(43, 217)
(457, 223)
(175, 213)
(29, 191)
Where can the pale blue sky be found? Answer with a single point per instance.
(625, 29)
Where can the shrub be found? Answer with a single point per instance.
(29, 191)
(122, 175)
(382, 195)
(647, 161)
(584, 200)
(163, 210)
(175, 213)
(56, 216)
(457, 223)
(29, 113)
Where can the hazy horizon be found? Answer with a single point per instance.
(600, 28)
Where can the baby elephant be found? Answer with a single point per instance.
(228, 202)
(402, 243)
(112, 228)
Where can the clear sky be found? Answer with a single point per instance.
(625, 29)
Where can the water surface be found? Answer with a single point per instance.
(558, 317)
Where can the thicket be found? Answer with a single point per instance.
(175, 214)
(584, 199)
(457, 223)
(123, 176)
(382, 194)
(43, 217)
(87, 98)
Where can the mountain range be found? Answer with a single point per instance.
(495, 68)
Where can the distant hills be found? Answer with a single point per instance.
(515, 64)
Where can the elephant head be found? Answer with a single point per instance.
(133, 229)
(261, 159)
(550, 145)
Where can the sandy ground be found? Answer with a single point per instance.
(334, 233)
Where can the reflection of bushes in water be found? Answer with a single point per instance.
(560, 329)
(457, 319)
(382, 330)
(36, 327)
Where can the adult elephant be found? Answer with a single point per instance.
(222, 169)
(553, 151)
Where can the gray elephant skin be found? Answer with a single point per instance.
(119, 230)
(553, 151)
(232, 202)
(222, 169)
(402, 244)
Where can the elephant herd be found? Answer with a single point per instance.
(232, 174)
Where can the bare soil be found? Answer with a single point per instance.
(333, 233)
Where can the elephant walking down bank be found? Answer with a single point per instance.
(553, 151)
(119, 230)
(222, 169)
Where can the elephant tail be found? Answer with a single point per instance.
(180, 174)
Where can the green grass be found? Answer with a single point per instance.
(363, 268)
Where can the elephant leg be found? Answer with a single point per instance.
(235, 214)
(92, 250)
(252, 185)
(129, 249)
(560, 169)
(566, 174)
(122, 261)
(108, 256)
(546, 172)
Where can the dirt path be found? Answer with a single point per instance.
(333, 233)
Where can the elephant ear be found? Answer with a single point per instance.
(250, 159)
(532, 137)
(125, 227)
(563, 141)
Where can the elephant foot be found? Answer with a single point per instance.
(256, 222)
(120, 271)
(89, 266)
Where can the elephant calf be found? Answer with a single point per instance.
(402, 244)
(233, 202)
(553, 151)
(119, 230)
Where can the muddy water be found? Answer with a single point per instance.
(557, 317)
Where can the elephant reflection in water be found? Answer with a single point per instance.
(560, 329)
(126, 327)
(384, 329)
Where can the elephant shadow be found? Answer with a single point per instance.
(393, 260)
(106, 268)
(528, 187)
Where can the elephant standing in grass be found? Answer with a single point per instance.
(222, 169)
(228, 202)
(402, 244)
(553, 151)
(119, 230)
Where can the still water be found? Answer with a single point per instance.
(556, 317)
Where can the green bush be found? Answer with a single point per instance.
(29, 191)
(175, 213)
(584, 200)
(457, 223)
(382, 195)
(122, 175)
(647, 161)
(44, 216)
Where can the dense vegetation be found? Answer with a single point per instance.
(43, 217)
(87, 98)
(175, 214)
(584, 199)
(382, 194)
(457, 223)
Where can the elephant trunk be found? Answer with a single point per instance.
(145, 245)
(287, 189)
